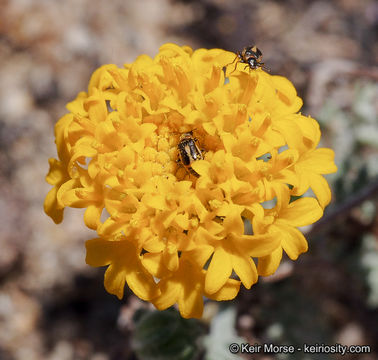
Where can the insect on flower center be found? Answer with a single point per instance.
(189, 151)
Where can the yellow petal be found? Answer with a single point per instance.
(67, 186)
(170, 291)
(154, 264)
(182, 221)
(309, 128)
(76, 107)
(245, 268)
(320, 161)
(57, 172)
(282, 194)
(100, 252)
(82, 150)
(92, 216)
(199, 255)
(227, 292)
(96, 106)
(140, 282)
(293, 242)
(291, 132)
(285, 88)
(190, 300)
(97, 76)
(75, 197)
(114, 279)
(191, 304)
(171, 50)
(219, 270)
(170, 256)
(320, 187)
(301, 212)
(124, 265)
(204, 237)
(233, 221)
(155, 201)
(154, 244)
(257, 245)
(201, 167)
(51, 207)
(267, 265)
(303, 181)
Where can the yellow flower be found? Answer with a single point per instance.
(174, 229)
(284, 219)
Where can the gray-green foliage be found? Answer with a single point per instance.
(369, 261)
(353, 129)
(165, 335)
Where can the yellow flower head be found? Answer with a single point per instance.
(173, 162)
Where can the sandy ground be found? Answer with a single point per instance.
(52, 305)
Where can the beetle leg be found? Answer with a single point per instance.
(236, 65)
(232, 61)
(236, 57)
(262, 65)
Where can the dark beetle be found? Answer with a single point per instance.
(251, 56)
(188, 152)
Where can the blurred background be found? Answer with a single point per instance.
(53, 306)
